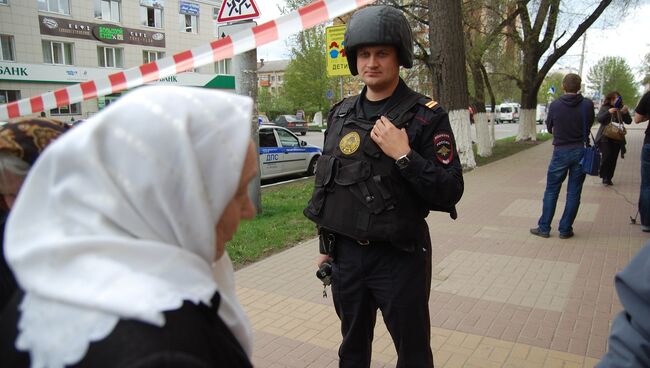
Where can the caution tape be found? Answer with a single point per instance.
(235, 44)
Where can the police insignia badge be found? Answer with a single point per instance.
(350, 143)
(444, 148)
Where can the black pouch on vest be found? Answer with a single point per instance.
(325, 172)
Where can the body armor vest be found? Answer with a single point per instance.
(359, 191)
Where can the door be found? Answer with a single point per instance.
(270, 154)
(294, 157)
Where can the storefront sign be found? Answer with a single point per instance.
(107, 33)
(18, 72)
(189, 8)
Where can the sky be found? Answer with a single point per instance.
(611, 35)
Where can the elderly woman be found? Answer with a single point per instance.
(20, 145)
(118, 238)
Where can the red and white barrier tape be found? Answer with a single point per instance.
(235, 44)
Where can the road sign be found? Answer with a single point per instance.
(329, 94)
(337, 63)
(232, 10)
(227, 30)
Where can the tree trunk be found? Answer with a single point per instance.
(484, 145)
(528, 108)
(448, 72)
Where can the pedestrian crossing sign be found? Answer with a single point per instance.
(232, 10)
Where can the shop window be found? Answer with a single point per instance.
(7, 96)
(7, 48)
(149, 56)
(54, 6)
(72, 109)
(151, 17)
(223, 66)
(189, 23)
(58, 53)
(110, 57)
(108, 10)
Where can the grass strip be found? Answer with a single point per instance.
(505, 147)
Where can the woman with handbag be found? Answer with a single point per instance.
(611, 134)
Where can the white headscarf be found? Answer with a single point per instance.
(117, 220)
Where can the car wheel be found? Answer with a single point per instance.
(312, 166)
(303, 133)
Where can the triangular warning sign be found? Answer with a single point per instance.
(232, 10)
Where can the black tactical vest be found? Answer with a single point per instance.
(359, 191)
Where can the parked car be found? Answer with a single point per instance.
(292, 123)
(540, 114)
(507, 112)
(282, 153)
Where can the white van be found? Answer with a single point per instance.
(507, 113)
(540, 114)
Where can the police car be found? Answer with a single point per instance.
(282, 153)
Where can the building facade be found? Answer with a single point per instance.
(48, 44)
(270, 74)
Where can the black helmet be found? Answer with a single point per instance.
(378, 25)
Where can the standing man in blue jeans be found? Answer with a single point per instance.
(641, 113)
(569, 120)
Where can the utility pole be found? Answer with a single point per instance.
(244, 68)
(582, 56)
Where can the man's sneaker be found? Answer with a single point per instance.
(645, 228)
(567, 235)
(536, 231)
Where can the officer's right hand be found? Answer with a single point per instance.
(322, 258)
(612, 110)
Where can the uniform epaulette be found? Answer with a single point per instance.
(428, 102)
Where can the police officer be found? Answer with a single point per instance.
(389, 158)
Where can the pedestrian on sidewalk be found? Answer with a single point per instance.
(21, 143)
(569, 119)
(641, 114)
(389, 158)
(612, 108)
(118, 238)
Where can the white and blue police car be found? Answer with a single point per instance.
(282, 153)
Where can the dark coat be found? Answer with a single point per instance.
(629, 341)
(193, 337)
(604, 118)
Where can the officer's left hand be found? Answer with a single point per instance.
(392, 141)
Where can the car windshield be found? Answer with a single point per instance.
(506, 109)
(293, 118)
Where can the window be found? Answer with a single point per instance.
(8, 96)
(110, 57)
(273, 78)
(189, 23)
(287, 139)
(151, 17)
(4, 2)
(223, 66)
(149, 56)
(279, 78)
(54, 6)
(267, 138)
(58, 53)
(108, 10)
(7, 48)
(74, 109)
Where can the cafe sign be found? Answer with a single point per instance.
(106, 33)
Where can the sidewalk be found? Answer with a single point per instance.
(500, 296)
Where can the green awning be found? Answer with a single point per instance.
(222, 82)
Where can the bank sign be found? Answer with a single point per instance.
(106, 33)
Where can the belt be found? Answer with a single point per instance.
(363, 243)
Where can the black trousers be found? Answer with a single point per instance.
(610, 152)
(368, 277)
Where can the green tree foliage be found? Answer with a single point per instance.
(618, 76)
(645, 69)
(305, 80)
(552, 80)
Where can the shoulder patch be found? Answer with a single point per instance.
(444, 147)
(428, 102)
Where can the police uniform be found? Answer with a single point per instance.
(371, 216)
